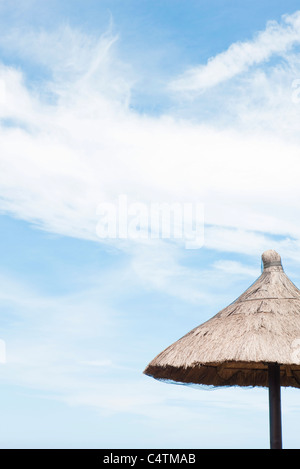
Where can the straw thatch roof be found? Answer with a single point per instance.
(235, 346)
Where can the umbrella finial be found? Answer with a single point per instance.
(271, 258)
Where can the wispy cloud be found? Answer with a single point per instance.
(70, 347)
(61, 157)
(236, 268)
(71, 140)
(276, 39)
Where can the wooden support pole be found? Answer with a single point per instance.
(275, 406)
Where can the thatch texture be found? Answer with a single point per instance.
(235, 346)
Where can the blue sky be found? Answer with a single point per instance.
(163, 102)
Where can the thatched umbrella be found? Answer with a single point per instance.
(255, 341)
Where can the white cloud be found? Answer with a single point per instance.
(276, 39)
(236, 268)
(59, 346)
(61, 158)
(49, 352)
